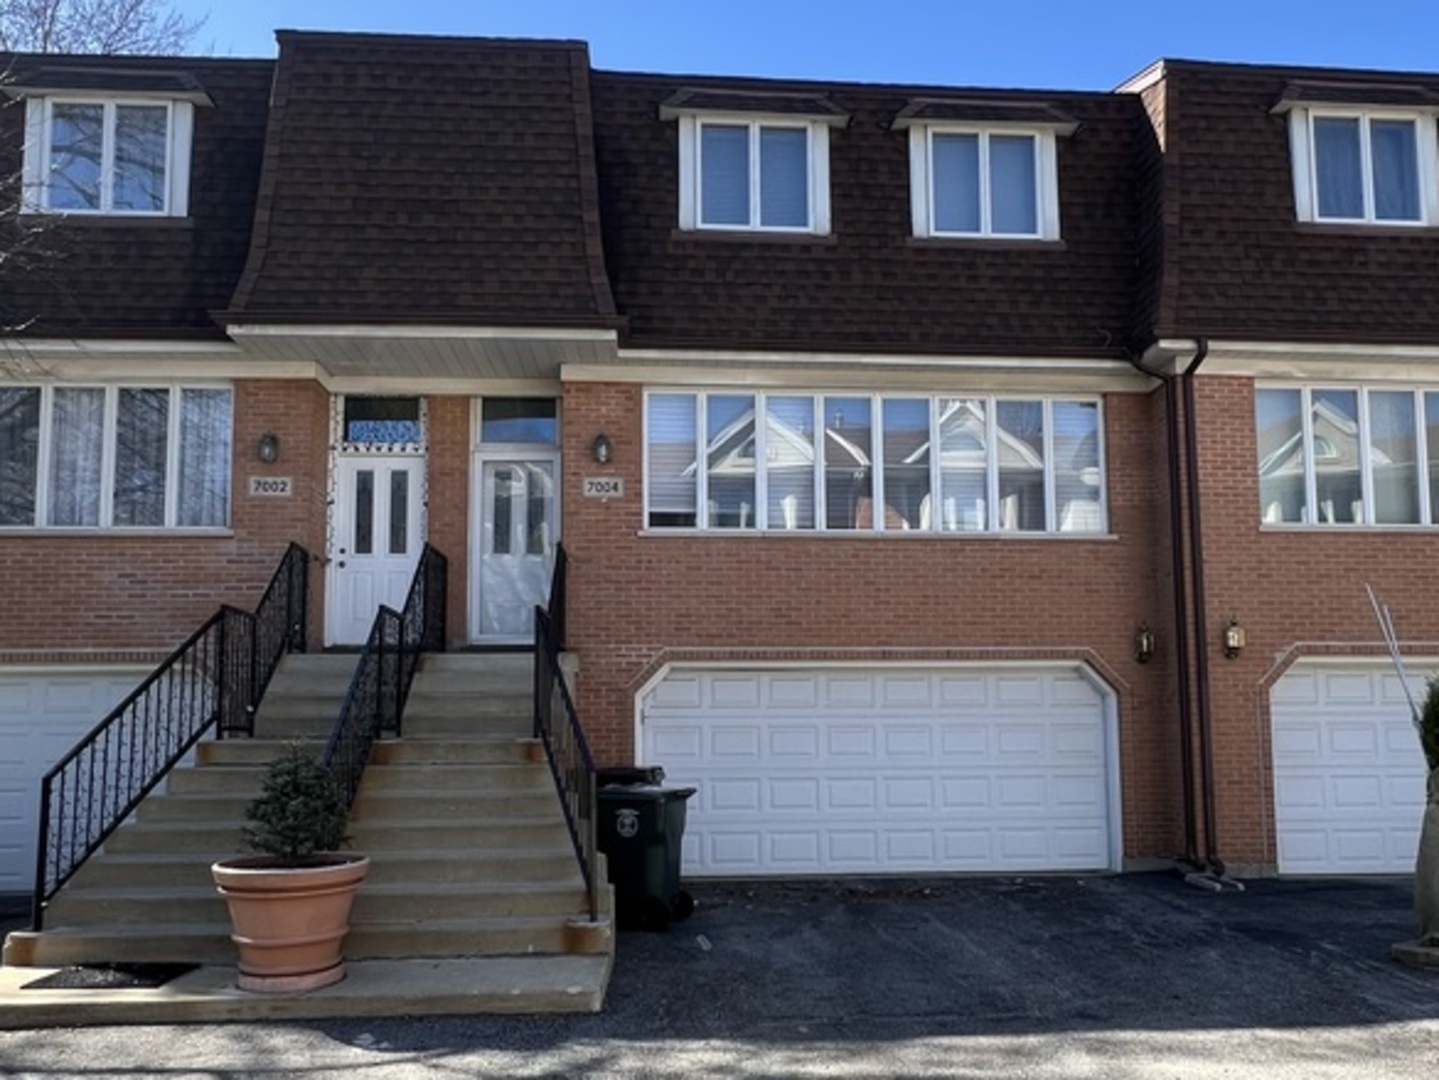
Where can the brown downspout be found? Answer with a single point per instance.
(1181, 609)
(1212, 861)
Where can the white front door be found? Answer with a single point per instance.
(518, 530)
(375, 544)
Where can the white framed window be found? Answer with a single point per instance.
(107, 156)
(1347, 455)
(1364, 166)
(115, 457)
(885, 463)
(983, 182)
(748, 173)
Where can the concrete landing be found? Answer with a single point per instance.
(384, 988)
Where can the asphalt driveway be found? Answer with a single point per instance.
(1134, 976)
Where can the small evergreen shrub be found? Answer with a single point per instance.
(1429, 725)
(299, 811)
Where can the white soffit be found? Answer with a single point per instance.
(1301, 360)
(824, 370)
(427, 352)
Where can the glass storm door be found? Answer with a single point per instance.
(376, 542)
(517, 545)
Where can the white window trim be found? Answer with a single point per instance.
(109, 422)
(180, 125)
(992, 525)
(1306, 173)
(690, 172)
(921, 180)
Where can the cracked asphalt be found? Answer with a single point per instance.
(1136, 976)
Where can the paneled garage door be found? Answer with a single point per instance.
(1348, 771)
(42, 714)
(886, 770)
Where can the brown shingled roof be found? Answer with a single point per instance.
(440, 179)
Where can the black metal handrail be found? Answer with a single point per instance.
(557, 726)
(214, 679)
(375, 700)
(559, 600)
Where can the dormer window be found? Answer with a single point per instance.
(983, 170)
(120, 146)
(753, 162)
(1356, 164)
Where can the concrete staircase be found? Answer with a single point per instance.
(469, 852)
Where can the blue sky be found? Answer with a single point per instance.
(1079, 44)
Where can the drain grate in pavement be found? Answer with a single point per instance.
(110, 977)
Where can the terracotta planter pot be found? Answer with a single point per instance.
(290, 923)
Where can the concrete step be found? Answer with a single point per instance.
(543, 832)
(392, 902)
(249, 751)
(444, 866)
(216, 780)
(207, 839)
(222, 808)
(477, 705)
(506, 666)
(476, 750)
(521, 776)
(209, 943)
(425, 725)
(484, 807)
(371, 988)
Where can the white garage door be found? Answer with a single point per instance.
(1348, 771)
(43, 713)
(886, 770)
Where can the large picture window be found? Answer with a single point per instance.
(96, 457)
(1347, 456)
(878, 463)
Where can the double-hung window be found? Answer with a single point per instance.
(984, 169)
(102, 457)
(753, 163)
(1347, 455)
(107, 156)
(1354, 165)
(885, 463)
(982, 183)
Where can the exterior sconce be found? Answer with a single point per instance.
(1143, 643)
(268, 449)
(602, 449)
(1233, 639)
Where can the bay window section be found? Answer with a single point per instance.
(906, 463)
(115, 457)
(19, 453)
(729, 450)
(670, 456)
(789, 462)
(867, 463)
(848, 435)
(1394, 457)
(1337, 456)
(1020, 445)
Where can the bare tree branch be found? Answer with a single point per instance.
(148, 27)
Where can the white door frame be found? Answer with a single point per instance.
(342, 523)
(1110, 700)
(486, 454)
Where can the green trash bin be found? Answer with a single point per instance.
(641, 828)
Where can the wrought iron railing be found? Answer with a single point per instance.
(375, 700)
(214, 679)
(559, 600)
(557, 726)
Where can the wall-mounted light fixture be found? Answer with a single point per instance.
(268, 448)
(1143, 643)
(1233, 639)
(602, 449)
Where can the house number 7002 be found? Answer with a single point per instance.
(273, 487)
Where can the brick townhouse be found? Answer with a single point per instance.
(951, 479)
